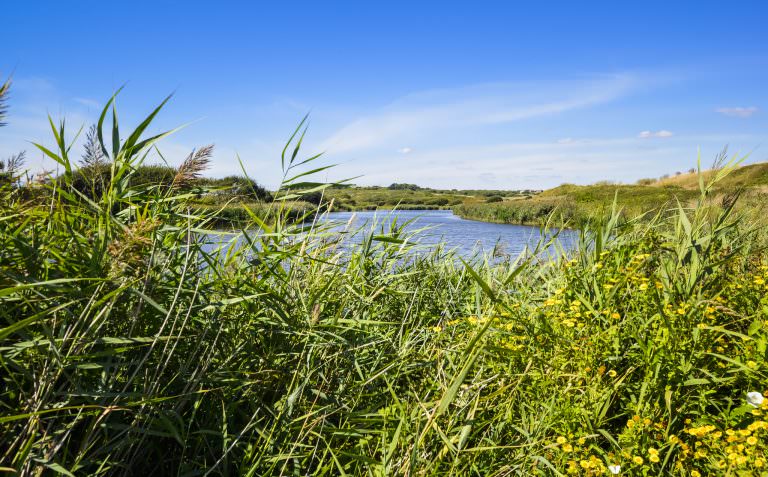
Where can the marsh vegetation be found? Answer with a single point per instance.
(127, 347)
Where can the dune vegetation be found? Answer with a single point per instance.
(413, 197)
(133, 341)
(575, 205)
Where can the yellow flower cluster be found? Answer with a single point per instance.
(735, 449)
(583, 464)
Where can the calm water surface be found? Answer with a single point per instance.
(466, 236)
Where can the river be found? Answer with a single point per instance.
(467, 237)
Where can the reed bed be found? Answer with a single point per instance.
(129, 346)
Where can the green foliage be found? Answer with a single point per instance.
(409, 196)
(575, 205)
(397, 186)
(135, 342)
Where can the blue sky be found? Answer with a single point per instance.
(472, 94)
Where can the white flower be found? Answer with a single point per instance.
(614, 469)
(754, 399)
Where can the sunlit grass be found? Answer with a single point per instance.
(128, 347)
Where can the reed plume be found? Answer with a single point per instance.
(196, 162)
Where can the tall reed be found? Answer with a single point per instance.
(131, 345)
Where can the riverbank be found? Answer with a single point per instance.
(573, 205)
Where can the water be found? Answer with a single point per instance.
(430, 227)
(467, 237)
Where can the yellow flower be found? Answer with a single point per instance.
(615, 316)
(653, 451)
(695, 473)
(759, 462)
(654, 458)
(638, 460)
(567, 447)
(751, 440)
(561, 440)
(612, 373)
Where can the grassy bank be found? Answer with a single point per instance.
(129, 347)
(576, 205)
(413, 197)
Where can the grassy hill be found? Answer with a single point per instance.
(751, 176)
(576, 204)
(409, 196)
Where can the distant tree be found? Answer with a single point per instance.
(314, 198)
(494, 198)
(237, 186)
(396, 186)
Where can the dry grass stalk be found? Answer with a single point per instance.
(196, 162)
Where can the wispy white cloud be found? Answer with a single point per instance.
(90, 103)
(441, 111)
(651, 134)
(404, 150)
(738, 112)
(539, 165)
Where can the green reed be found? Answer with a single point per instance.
(129, 346)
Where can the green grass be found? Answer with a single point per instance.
(128, 347)
(371, 198)
(575, 205)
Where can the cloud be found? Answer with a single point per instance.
(404, 150)
(565, 140)
(651, 134)
(440, 112)
(488, 177)
(90, 103)
(738, 112)
(539, 164)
